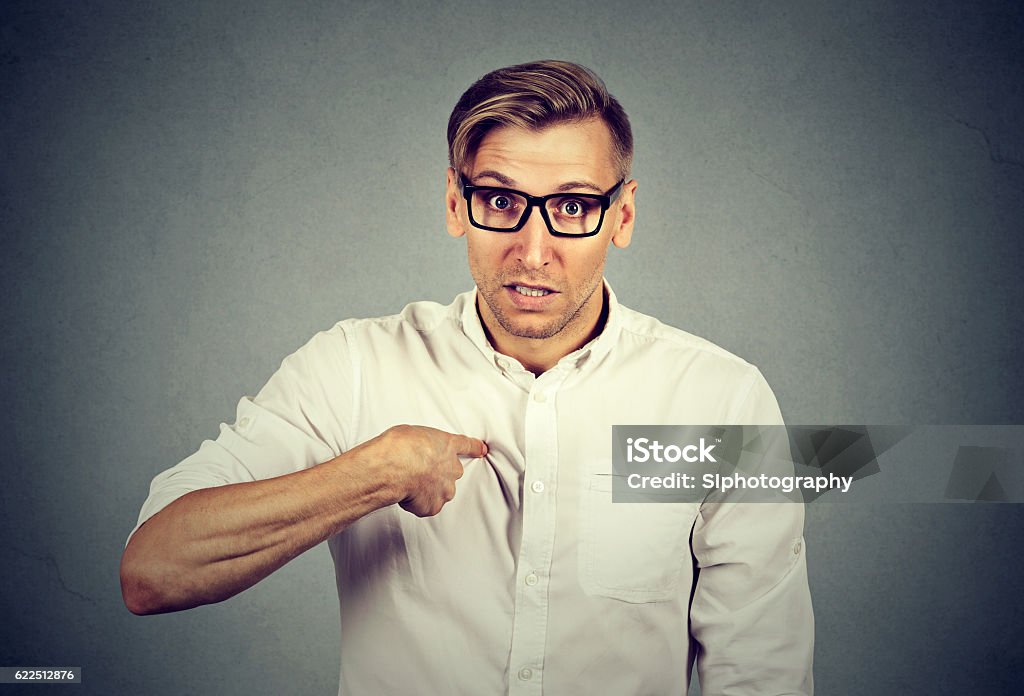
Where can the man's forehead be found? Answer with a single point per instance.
(580, 150)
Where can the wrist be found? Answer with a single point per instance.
(370, 464)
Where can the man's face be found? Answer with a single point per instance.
(535, 285)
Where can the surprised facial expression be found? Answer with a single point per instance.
(535, 285)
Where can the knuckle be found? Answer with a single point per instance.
(401, 429)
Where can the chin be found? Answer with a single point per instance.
(534, 329)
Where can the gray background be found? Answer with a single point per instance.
(832, 190)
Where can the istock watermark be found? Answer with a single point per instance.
(643, 450)
(806, 463)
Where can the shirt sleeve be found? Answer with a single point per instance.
(751, 609)
(300, 418)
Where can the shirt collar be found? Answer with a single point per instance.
(590, 353)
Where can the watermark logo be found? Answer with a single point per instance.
(642, 450)
(802, 463)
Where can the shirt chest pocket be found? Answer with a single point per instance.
(634, 552)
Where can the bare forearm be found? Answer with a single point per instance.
(213, 543)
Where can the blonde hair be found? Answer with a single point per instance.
(535, 95)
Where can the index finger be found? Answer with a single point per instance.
(469, 446)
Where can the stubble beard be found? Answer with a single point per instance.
(492, 293)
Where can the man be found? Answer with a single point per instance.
(524, 578)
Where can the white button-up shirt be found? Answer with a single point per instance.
(531, 581)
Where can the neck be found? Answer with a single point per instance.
(538, 355)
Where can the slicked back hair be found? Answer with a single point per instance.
(533, 96)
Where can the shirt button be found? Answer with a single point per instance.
(540, 397)
(796, 549)
(537, 486)
(244, 422)
(532, 579)
(525, 673)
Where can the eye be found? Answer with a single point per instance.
(572, 207)
(500, 201)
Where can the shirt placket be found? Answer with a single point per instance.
(533, 567)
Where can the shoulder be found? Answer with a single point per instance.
(421, 318)
(710, 376)
(335, 359)
(646, 334)
(418, 324)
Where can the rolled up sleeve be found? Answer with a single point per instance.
(751, 610)
(296, 421)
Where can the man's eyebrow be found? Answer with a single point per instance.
(574, 185)
(511, 183)
(497, 176)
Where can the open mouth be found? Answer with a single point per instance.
(528, 291)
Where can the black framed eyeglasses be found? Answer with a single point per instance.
(566, 214)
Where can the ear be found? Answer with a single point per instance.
(626, 204)
(452, 198)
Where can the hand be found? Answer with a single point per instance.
(426, 464)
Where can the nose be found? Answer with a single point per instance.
(534, 241)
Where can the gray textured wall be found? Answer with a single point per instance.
(832, 190)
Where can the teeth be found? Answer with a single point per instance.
(531, 292)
